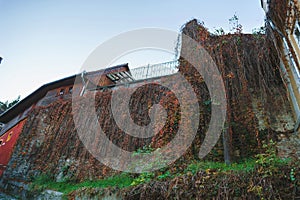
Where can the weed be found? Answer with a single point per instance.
(268, 162)
(143, 178)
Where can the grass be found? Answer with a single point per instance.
(122, 180)
(44, 182)
(247, 165)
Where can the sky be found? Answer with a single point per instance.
(43, 41)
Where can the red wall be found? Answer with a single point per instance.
(9, 140)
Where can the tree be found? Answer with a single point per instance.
(236, 27)
(5, 106)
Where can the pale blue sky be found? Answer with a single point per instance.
(45, 40)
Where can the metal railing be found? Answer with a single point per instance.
(156, 70)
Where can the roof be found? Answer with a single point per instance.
(116, 74)
(34, 97)
(109, 69)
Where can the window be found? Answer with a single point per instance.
(62, 91)
(297, 33)
(1, 126)
(297, 36)
(70, 90)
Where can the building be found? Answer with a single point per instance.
(13, 120)
(283, 25)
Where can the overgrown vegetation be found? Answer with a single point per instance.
(249, 64)
(265, 166)
(249, 67)
(245, 175)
